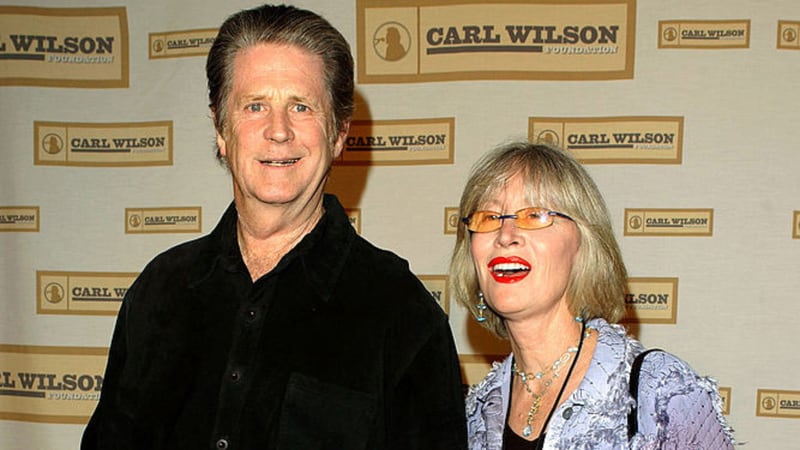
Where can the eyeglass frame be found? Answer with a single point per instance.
(501, 217)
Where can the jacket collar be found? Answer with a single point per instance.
(601, 381)
(320, 255)
(324, 251)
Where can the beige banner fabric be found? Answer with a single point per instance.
(685, 113)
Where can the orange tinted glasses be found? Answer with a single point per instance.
(532, 218)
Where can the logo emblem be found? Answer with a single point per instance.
(134, 221)
(158, 46)
(548, 137)
(452, 221)
(635, 222)
(789, 35)
(670, 34)
(52, 144)
(391, 41)
(54, 293)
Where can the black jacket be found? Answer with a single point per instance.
(339, 347)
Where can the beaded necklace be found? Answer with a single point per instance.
(555, 368)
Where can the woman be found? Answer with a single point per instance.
(536, 262)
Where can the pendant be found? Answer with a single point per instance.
(527, 430)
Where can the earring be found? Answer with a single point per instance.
(481, 306)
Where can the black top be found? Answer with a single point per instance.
(339, 347)
(516, 442)
(513, 441)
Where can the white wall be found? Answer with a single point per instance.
(738, 305)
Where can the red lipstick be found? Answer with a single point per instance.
(509, 269)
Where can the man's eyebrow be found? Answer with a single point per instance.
(294, 98)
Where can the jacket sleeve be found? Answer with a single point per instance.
(108, 428)
(426, 408)
(685, 408)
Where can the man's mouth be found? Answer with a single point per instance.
(279, 163)
(509, 270)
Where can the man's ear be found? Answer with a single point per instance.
(218, 134)
(221, 145)
(338, 145)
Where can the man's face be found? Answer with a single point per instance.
(275, 139)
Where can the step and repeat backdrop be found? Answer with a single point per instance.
(685, 113)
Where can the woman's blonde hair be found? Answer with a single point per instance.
(554, 180)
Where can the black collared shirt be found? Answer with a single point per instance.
(339, 347)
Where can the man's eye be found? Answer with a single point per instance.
(301, 108)
(255, 107)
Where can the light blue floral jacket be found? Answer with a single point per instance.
(677, 408)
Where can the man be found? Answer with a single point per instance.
(282, 329)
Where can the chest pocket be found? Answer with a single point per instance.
(324, 416)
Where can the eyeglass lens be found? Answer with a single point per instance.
(527, 218)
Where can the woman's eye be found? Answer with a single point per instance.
(301, 108)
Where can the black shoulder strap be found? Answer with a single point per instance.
(633, 387)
